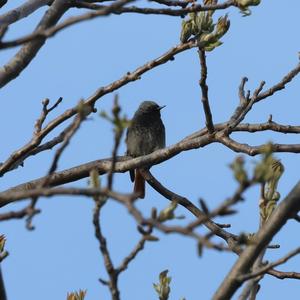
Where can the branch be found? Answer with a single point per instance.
(242, 110)
(246, 103)
(103, 166)
(217, 230)
(2, 287)
(116, 8)
(280, 85)
(49, 32)
(129, 77)
(160, 11)
(270, 266)
(17, 214)
(183, 4)
(113, 283)
(250, 128)
(22, 11)
(24, 56)
(154, 222)
(278, 218)
(204, 89)
(17, 158)
(132, 255)
(71, 191)
(284, 275)
(125, 163)
(254, 150)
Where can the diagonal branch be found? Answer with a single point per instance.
(51, 31)
(279, 217)
(103, 166)
(280, 85)
(116, 8)
(129, 77)
(265, 269)
(217, 230)
(25, 55)
(22, 11)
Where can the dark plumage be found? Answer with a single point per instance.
(145, 134)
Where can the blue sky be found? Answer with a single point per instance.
(62, 255)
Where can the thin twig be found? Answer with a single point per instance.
(49, 32)
(20, 214)
(2, 287)
(265, 269)
(204, 89)
(128, 77)
(132, 255)
(277, 219)
(228, 237)
(284, 275)
(183, 4)
(111, 271)
(72, 191)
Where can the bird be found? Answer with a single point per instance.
(145, 134)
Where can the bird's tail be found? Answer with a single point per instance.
(139, 184)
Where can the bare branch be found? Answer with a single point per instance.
(228, 237)
(17, 158)
(161, 11)
(280, 85)
(204, 89)
(132, 255)
(244, 107)
(183, 4)
(22, 11)
(24, 56)
(284, 275)
(278, 218)
(254, 150)
(2, 287)
(71, 191)
(17, 214)
(250, 128)
(129, 77)
(49, 32)
(111, 271)
(265, 269)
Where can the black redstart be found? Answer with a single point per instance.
(145, 134)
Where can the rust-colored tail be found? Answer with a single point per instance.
(139, 184)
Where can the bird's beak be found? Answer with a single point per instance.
(161, 107)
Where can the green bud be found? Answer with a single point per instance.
(76, 295)
(201, 26)
(210, 2)
(168, 212)
(244, 6)
(163, 287)
(244, 3)
(2, 242)
(239, 171)
(186, 30)
(276, 170)
(223, 25)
